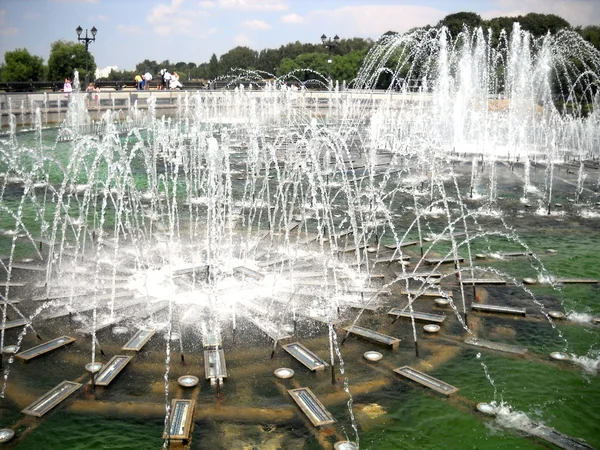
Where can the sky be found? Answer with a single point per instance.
(130, 31)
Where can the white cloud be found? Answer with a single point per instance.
(255, 24)
(243, 40)
(576, 12)
(131, 29)
(207, 4)
(4, 29)
(262, 5)
(292, 18)
(373, 20)
(174, 18)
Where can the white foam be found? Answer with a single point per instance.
(590, 365)
(580, 317)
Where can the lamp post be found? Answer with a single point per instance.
(329, 44)
(87, 41)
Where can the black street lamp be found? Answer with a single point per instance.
(87, 41)
(329, 44)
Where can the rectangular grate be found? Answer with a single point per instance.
(374, 336)
(112, 368)
(138, 340)
(214, 364)
(419, 316)
(305, 356)
(498, 309)
(311, 406)
(471, 281)
(13, 324)
(45, 348)
(426, 293)
(496, 346)
(432, 261)
(180, 420)
(426, 380)
(51, 398)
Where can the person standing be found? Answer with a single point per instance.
(166, 79)
(89, 93)
(67, 88)
(97, 96)
(147, 80)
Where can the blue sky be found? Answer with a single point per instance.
(130, 31)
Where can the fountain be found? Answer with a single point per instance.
(269, 233)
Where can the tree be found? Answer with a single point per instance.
(536, 24)
(540, 24)
(147, 66)
(66, 57)
(591, 33)
(455, 22)
(20, 65)
(213, 67)
(268, 59)
(237, 58)
(346, 67)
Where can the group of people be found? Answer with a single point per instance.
(166, 81)
(92, 92)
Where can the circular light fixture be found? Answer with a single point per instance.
(442, 301)
(93, 367)
(120, 330)
(557, 314)
(9, 349)
(486, 408)
(283, 373)
(6, 434)
(372, 355)
(345, 445)
(560, 356)
(187, 380)
(431, 328)
(529, 280)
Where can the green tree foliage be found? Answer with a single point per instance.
(268, 60)
(347, 46)
(237, 58)
(537, 24)
(346, 67)
(20, 65)
(213, 67)
(455, 22)
(66, 57)
(147, 66)
(540, 24)
(591, 33)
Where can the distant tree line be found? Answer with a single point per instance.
(300, 60)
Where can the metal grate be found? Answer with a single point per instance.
(426, 380)
(311, 406)
(45, 348)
